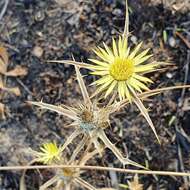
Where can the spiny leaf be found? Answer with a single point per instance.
(83, 87)
(58, 109)
(70, 62)
(144, 112)
(108, 144)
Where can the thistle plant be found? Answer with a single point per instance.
(122, 79)
(121, 71)
(49, 153)
(67, 178)
(90, 121)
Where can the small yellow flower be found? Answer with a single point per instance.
(121, 69)
(49, 152)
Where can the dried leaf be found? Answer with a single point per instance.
(14, 90)
(60, 110)
(83, 87)
(3, 60)
(135, 185)
(1, 83)
(17, 71)
(2, 111)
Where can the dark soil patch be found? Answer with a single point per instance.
(76, 29)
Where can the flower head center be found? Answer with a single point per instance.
(67, 172)
(122, 69)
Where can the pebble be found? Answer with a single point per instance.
(169, 75)
(134, 39)
(39, 16)
(172, 41)
(117, 12)
(37, 51)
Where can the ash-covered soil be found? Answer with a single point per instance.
(36, 31)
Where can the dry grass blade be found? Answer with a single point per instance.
(144, 112)
(85, 94)
(88, 167)
(69, 62)
(60, 110)
(6, 2)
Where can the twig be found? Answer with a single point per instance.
(183, 39)
(24, 86)
(120, 170)
(4, 9)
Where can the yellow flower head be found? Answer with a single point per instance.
(121, 69)
(49, 152)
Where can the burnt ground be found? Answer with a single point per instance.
(35, 31)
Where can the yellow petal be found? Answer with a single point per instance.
(108, 57)
(142, 54)
(104, 79)
(101, 63)
(132, 83)
(120, 48)
(114, 48)
(142, 60)
(141, 78)
(143, 68)
(128, 94)
(138, 84)
(110, 53)
(100, 73)
(98, 68)
(121, 90)
(99, 54)
(134, 52)
(111, 87)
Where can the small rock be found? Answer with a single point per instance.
(37, 51)
(134, 39)
(39, 33)
(172, 41)
(39, 16)
(117, 12)
(169, 75)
